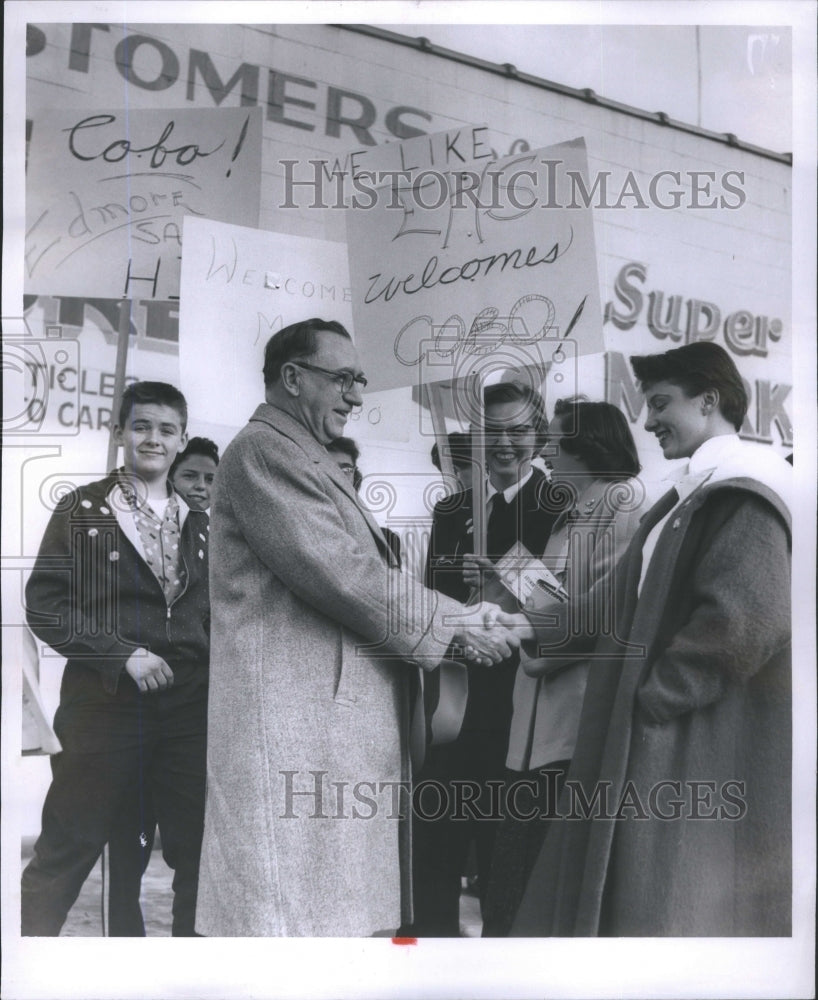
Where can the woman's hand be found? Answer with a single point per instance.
(477, 570)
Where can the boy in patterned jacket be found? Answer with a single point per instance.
(120, 588)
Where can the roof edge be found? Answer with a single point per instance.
(587, 96)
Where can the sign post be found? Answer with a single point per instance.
(122, 341)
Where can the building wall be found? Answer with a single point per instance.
(331, 94)
(337, 96)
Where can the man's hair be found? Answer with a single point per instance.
(598, 434)
(158, 393)
(298, 340)
(458, 446)
(196, 446)
(346, 446)
(516, 392)
(694, 368)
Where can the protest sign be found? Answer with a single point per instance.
(239, 286)
(107, 192)
(463, 270)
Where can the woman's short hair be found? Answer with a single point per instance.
(598, 434)
(694, 368)
(298, 340)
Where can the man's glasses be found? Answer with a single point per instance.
(343, 379)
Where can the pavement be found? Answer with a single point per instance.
(85, 918)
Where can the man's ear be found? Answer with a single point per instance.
(118, 436)
(289, 379)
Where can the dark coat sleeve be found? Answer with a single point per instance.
(739, 618)
(449, 540)
(71, 601)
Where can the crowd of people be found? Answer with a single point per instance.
(588, 710)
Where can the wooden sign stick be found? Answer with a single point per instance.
(478, 456)
(123, 338)
(435, 399)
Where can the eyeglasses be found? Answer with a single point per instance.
(518, 431)
(343, 379)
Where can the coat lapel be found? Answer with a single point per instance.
(287, 425)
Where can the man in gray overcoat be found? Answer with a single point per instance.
(313, 626)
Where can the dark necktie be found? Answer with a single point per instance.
(498, 528)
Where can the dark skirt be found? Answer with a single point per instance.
(531, 802)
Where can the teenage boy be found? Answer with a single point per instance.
(132, 839)
(120, 588)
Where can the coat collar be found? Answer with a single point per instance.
(510, 492)
(587, 500)
(291, 428)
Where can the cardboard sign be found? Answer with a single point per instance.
(240, 286)
(108, 191)
(457, 271)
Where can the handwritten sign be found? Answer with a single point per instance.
(239, 286)
(108, 190)
(464, 269)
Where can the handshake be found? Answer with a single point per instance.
(488, 635)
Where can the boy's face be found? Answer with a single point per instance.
(150, 439)
(344, 462)
(193, 480)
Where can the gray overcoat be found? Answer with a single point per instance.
(312, 628)
(685, 748)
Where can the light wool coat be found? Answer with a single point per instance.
(312, 625)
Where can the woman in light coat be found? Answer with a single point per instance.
(593, 462)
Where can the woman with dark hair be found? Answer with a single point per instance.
(675, 819)
(593, 462)
(598, 435)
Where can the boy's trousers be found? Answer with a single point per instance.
(114, 747)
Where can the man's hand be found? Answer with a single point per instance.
(476, 570)
(485, 641)
(150, 671)
(518, 624)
